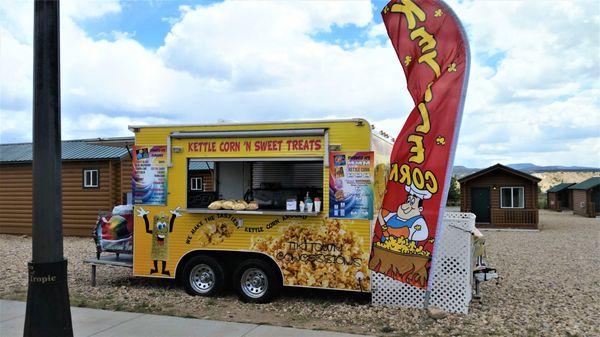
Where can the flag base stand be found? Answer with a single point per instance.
(450, 289)
(426, 299)
(48, 308)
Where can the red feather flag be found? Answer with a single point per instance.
(434, 52)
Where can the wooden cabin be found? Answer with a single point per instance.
(501, 197)
(560, 197)
(96, 176)
(586, 197)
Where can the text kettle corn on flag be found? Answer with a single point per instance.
(433, 50)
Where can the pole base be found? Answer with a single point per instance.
(48, 308)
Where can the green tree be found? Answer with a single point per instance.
(454, 191)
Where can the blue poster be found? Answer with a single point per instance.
(149, 178)
(351, 185)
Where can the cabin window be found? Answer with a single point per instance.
(196, 184)
(512, 197)
(90, 178)
(202, 183)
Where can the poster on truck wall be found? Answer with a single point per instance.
(351, 185)
(149, 177)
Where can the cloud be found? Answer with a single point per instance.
(534, 82)
(77, 10)
(377, 30)
(86, 125)
(13, 125)
(15, 72)
(532, 93)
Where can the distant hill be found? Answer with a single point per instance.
(460, 171)
(529, 167)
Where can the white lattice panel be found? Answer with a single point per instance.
(451, 288)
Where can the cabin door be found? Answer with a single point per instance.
(563, 197)
(480, 203)
(596, 199)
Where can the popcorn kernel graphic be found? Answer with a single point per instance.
(452, 67)
(438, 13)
(440, 140)
(407, 60)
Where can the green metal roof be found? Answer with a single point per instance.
(559, 187)
(586, 184)
(71, 150)
(201, 165)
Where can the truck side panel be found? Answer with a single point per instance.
(312, 251)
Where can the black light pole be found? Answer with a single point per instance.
(48, 311)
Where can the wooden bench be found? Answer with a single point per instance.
(116, 260)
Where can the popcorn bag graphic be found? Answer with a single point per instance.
(320, 255)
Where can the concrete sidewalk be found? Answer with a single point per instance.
(94, 322)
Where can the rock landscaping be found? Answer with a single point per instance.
(550, 286)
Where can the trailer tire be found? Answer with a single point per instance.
(203, 276)
(255, 281)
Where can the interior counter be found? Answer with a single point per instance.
(256, 212)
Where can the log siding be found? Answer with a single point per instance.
(580, 202)
(80, 205)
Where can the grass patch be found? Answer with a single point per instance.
(143, 308)
(16, 294)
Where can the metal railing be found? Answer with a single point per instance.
(515, 216)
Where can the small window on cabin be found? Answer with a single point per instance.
(196, 184)
(512, 197)
(202, 183)
(90, 178)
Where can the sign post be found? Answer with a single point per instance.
(48, 312)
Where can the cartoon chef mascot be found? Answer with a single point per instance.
(407, 221)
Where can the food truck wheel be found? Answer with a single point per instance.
(255, 281)
(203, 276)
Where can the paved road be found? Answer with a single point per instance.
(103, 323)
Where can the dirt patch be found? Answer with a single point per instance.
(550, 286)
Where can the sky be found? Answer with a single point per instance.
(533, 89)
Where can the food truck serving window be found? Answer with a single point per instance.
(269, 183)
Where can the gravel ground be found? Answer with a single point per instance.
(550, 286)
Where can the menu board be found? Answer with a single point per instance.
(351, 185)
(149, 179)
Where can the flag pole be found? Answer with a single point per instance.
(454, 143)
(48, 310)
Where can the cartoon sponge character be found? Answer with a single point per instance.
(160, 237)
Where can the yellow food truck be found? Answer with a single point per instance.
(258, 205)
